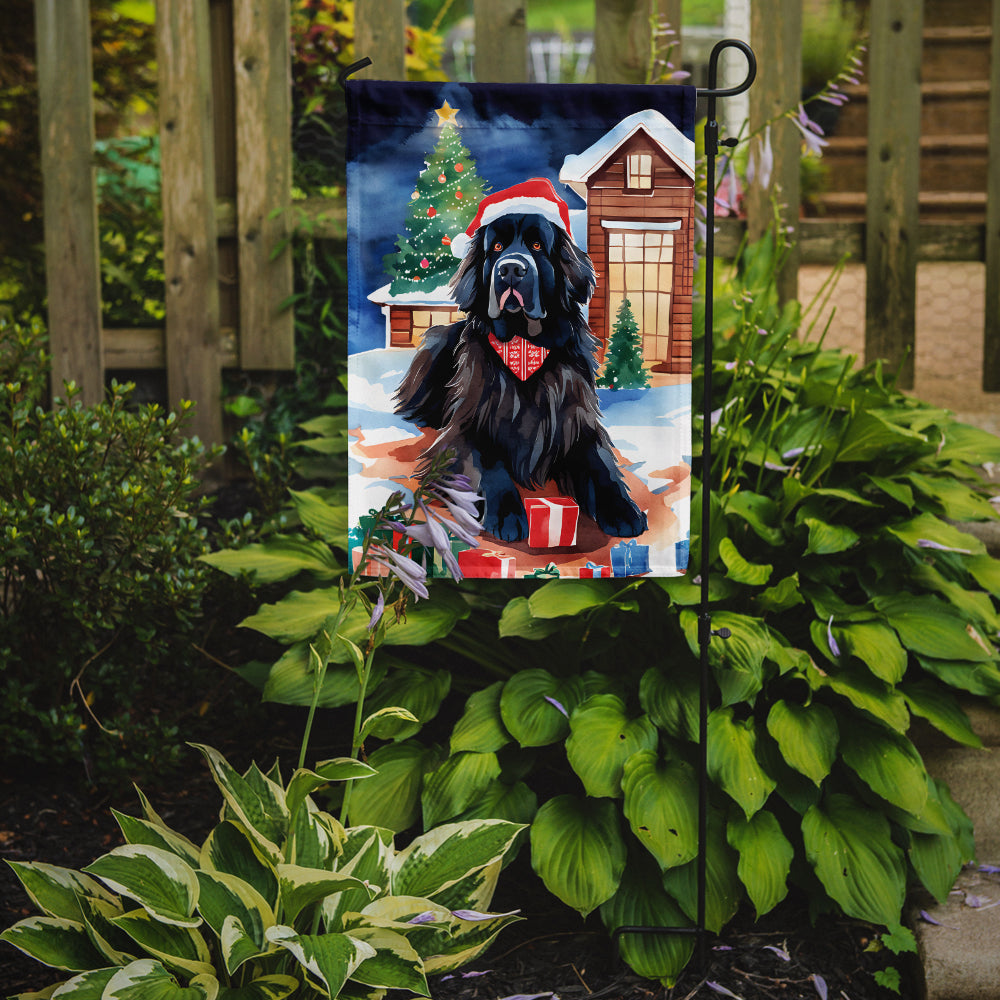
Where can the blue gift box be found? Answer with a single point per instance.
(682, 553)
(629, 558)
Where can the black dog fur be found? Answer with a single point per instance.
(522, 276)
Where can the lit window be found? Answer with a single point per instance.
(640, 171)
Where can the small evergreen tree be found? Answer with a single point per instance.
(623, 362)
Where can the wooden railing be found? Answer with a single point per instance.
(226, 160)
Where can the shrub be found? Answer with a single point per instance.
(99, 539)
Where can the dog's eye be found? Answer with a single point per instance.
(536, 245)
(498, 246)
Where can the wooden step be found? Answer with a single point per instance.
(944, 104)
(945, 12)
(956, 53)
(935, 206)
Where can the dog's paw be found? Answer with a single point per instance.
(505, 522)
(621, 518)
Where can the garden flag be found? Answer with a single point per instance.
(520, 273)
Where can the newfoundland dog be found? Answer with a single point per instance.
(511, 387)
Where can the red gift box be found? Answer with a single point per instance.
(485, 564)
(593, 571)
(551, 522)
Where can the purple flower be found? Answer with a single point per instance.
(475, 915)
(780, 952)
(377, 612)
(719, 988)
(761, 162)
(820, 983)
(811, 132)
(552, 701)
(834, 648)
(409, 573)
(427, 917)
(927, 543)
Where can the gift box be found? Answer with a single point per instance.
(437, 568)
(629, 558)
(682, 553)
(543, 572)
(593, 571)
(551, 521)
(483, 563)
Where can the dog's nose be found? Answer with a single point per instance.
(512, 270)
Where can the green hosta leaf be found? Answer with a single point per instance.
(850, 847)
(516, 803)
(180, 948)
(147, 979)
(578, 851)
(260, 809)
(301, 887)
(738, 661)
(54, 941)
(230, 849)
(98, 916)
(278, 558)
(661, 798)
(758, 511)
(641, 901)
(941, 709)
(602, 738)
(866, 692)
(965, 443)
(975, 605)
(387, 723)
(56, 891)
(738, 569)
(671, 700)
(276, 987)
(827, 539)
(481, 728)
(893, 488)
(928, 528)
(226, 898)
(518, 621)
(292, 681)
(441, 857)
(807, 736)
(456, 784)
(530, 706)
(976, 678)
(391, 798)
(304, 782)
(560, 598)
(159, 881)
(986, 572)
(957, 501)
(418, 691)
(783, 595)
(765, 858)
(870, 436)
(876, 646)
(395, 964)
(888, 763)
(330, 959)
(315, 839)
(141, 831)
(931, 628)
(732, 760)
(325, 519)
(937, 859)
(723, 889)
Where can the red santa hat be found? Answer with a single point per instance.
(533, 197)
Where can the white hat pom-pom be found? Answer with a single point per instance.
(460, 244)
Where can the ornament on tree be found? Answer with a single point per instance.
(446, 241)
(431, 212)
(441, 178)
(458, 194)
(459, 167)
(425, 263)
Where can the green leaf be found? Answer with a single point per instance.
(325, 519)
(765, 858)
(517, 621)
(783, 595)
(732, 760)
(828, 539)
(279, 558)
(893, 488)
(456, 784)
(866, 692)
(671, 700)
(640, 901)
(965, 443)
(163, 884)
(292, 681)
(758, 511)
(516, 803)
(738, 569)
(56, 891)
(937, 859)
(527, 711)
(181, 948)
(661, 798)
(738, 661)
(275, 987)
(601, 739)
(956, 500)
(391, 798)
(976, 678)
(86, 986)
(481, 728)
(141, 831)
(578, 851)
(869, 436)
(395, 964)
(330, 959)
(850, 848)
(304, 782)
(931, 628)
(417, 690)
(147, 979)
(385, 723)
(807, 736)
(224, 897)
(54, 941)
(876, 646)
(230, 849)
(888, 763)
(927, 527)
(301, 887)
(560, 598)
(986, 571)
(941, 709)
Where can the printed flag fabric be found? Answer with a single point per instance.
(520, 276)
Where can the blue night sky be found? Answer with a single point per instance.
(512, 131)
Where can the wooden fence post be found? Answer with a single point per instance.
(501, 41)
(893, 183)
(622, 40)
(776, 35)
(72, 255)
(380, 34)
(991, 333)
(190, 251)
(262, 61)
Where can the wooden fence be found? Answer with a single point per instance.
(226, 161)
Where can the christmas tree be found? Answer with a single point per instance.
(443, 204)
(623, 362)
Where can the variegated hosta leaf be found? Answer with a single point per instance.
(141, 831)
(315, 838)
(732, 760)
(177, 947)
(441, 857)
(300, 887)
(807, 736)
(116, 946)
(54, 941)
(395, 964)
(230, 849)
(329, 959)
(850, 847)
(476, 890)
(578, 851)
(87, 986)
(274, 987)
(481, 727)
(367, 853)
(642, 902)
(661, 805)
(158, 880)
(147, 979)
(535, 706)
(56, 891)
(304, 782)
(457, 784)
(602, 737)
(468, 939)
(765, 858)
(225, 897)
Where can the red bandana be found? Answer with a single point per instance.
(521, 356)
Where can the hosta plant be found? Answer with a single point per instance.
(279, 900)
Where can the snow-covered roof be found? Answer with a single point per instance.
(439, 296)
(576, 169)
